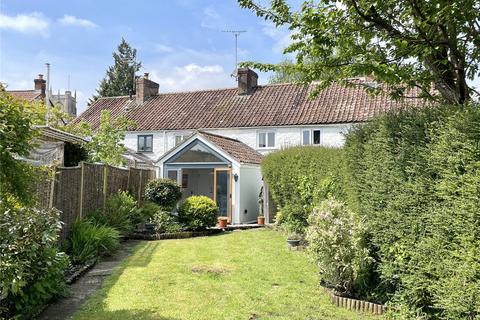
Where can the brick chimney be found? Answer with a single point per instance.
(145, 88)
(247, 80)
(40, 84)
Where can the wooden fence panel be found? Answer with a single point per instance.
(92, 188)
(117, 180)
(67, 185)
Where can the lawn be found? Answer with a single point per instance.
(240, 275)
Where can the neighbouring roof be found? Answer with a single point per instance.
(133, 156)
(60, 135)
(28, 95)
(236, 149)
(268, 105)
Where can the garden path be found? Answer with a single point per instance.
(90, 282)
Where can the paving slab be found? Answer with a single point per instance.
(80, 290)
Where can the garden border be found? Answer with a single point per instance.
(354, 304)
(176, 235)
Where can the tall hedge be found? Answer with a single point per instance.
(299, 177)
(416, 180)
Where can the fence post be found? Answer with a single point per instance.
(105, 177)
(128, 178)
(82, 173)
(140, 187)
(52, 190)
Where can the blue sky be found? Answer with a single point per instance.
(179, 42)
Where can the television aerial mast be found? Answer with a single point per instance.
(236, 33)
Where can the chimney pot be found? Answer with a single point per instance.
(247, 80)
(145, 88)
(40, 84)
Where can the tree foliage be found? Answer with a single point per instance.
(120, 78)
(16, 134)
(401, 43)
(106, 144)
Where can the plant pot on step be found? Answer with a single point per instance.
(222, 222)
(294, 240)
(261, 220)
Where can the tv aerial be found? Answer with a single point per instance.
(236, 33)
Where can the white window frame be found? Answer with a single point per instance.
(178, 171)
(144, 137)
(182, 137)
(266, 132)
(311, 137)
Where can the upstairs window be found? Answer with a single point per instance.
(306, 137)
(316, 136)
(145, 143)
(179, 139)
(266, 139)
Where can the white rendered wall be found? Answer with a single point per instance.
(250, 180)
(330, 135)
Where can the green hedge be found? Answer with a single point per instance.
(417, 184)
(300, 177)
(198, 213)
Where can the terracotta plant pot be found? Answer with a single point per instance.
(222, 222)
(261, 221)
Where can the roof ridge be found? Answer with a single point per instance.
(218, 136)
(23, 90)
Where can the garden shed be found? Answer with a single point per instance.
(223, 169)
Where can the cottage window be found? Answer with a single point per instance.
(316, 136)
(266, 139)
(145, 143)
(179, 139)
(306, 137)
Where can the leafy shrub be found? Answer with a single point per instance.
(166, 223)
(147, 211)
(335, 236)
(300, 177)
(415, 174)
(164, 192)
(88, 241)
(31, 267)
(198, 213)
(121, 213)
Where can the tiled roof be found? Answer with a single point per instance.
(238, 150)
(269, 105)
(28, 95)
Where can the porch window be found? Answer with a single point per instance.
(198, 153)
(266, 139)
(172, 175)
(145, 143)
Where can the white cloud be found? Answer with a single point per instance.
(192, 77)
(281, 36)
(161, 48)
(78, 22)
(32, 23)
(212, 19)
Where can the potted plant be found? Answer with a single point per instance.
(261, 220)
(294, 240)
(222, 222)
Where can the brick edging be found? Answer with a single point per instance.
(176, 235)
(354, 304)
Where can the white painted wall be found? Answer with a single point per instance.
(287, 136)
(250, 179)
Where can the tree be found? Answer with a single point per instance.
(401, 43)
(106, 144)
(120, 78)
(286, 73)
(16, 134)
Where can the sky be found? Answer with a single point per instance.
(179, 42)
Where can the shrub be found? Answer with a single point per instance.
(300, 177)
(164, 192)
(166, 223)
(335, 237)
(31, 266)
(147, 211)
(88, 241)
(121, 213)
(198, 213)
(416, 178)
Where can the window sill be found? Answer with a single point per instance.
(143, 152)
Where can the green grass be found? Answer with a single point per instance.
(240, 275)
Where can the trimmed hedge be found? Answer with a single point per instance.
(164, 192)
(417, 184)
(300, 177)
